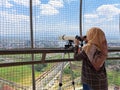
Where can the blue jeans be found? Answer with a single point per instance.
(86, 87)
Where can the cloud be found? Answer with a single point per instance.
(13, 24)
(13, 17)
(56, 3)
(52, 7)
(47, 9)
(108, 10)
(102, 14)
(26, 2)
(5, 3)
(105, 11)
(70, 1)
(90, 16)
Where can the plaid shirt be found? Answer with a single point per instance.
(97, 80)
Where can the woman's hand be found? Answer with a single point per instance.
(76, 42)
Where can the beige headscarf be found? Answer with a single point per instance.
(96, 43)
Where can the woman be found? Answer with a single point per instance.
(93, 56)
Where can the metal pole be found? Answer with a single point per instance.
(32, 45)
(61, 74)
(81, 21)
(119, 23)
(80, 17)
(71, 69)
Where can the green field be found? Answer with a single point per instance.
(23, 74)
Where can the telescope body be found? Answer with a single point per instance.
(67, 37)
(72, 38)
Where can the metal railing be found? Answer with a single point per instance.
(43, 60)
(44, 52)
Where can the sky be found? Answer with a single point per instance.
(58, 17)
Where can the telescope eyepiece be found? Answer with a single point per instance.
(80, 38)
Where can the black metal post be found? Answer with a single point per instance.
(32, 45)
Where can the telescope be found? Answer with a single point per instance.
(71, 39)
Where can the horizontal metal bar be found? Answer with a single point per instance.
(113, 58)
(113, 49)
(46, 61)
(34, 51)
(34, 62)
(51, 50)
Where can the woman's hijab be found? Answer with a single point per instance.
(96, 47)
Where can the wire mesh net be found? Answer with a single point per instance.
(52, 19)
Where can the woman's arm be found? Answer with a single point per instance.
(78, 54)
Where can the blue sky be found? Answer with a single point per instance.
(58, 17)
